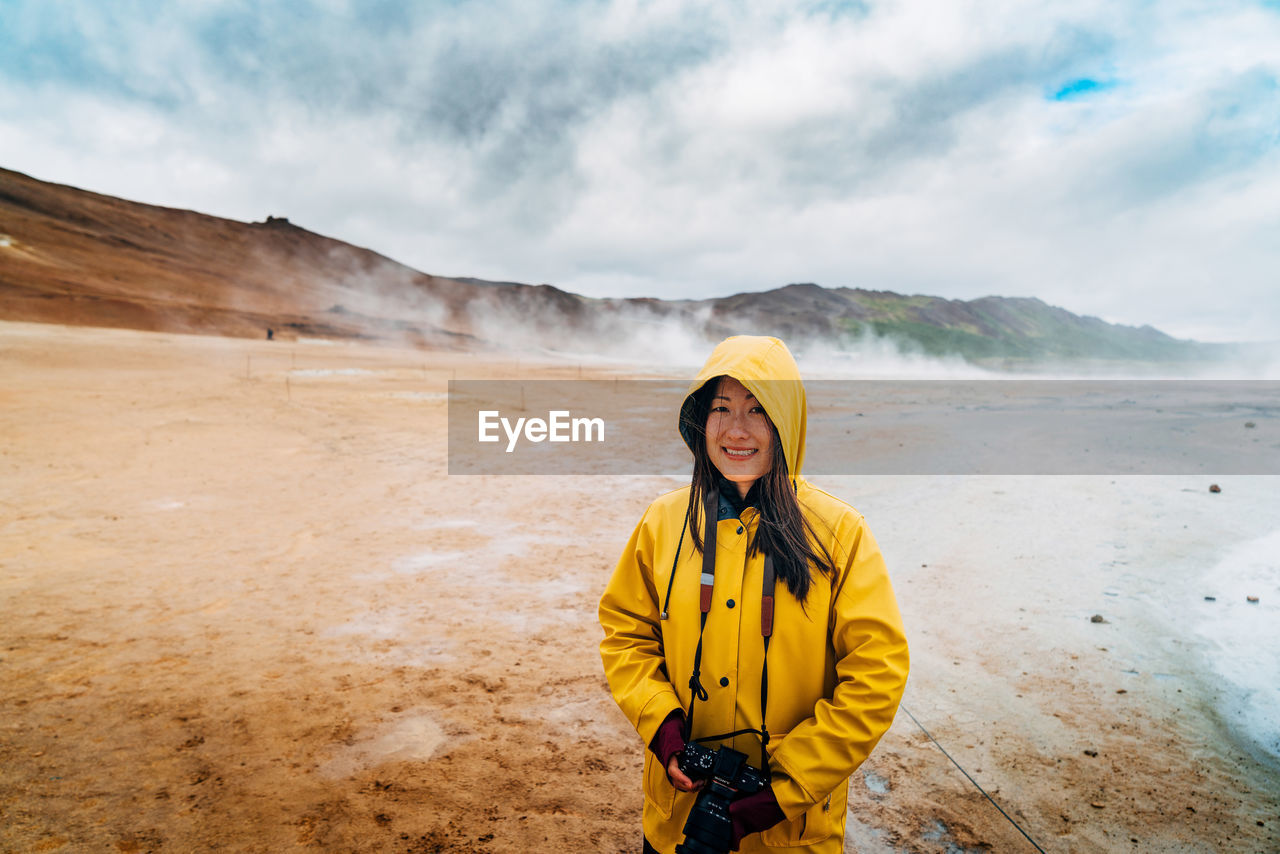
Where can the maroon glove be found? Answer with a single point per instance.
(754, 813)
(668, 741)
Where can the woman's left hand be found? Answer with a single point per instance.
(678, 778)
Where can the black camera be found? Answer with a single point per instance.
(709, 829)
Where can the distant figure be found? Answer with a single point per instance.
(270, 333)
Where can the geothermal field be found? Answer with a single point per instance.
(244, 607)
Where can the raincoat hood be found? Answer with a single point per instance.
(766, 368)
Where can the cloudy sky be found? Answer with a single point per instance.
(1119, 158)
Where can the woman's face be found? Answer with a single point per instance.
(739, 435)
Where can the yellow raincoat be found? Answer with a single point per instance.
(837, 664)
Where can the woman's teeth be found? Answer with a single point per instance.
(739, 454)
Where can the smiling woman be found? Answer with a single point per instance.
(739, 436)
(692, 618)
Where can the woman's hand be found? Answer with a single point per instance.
(678, 779)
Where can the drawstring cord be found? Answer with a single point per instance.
(695, 681)
(666, 603)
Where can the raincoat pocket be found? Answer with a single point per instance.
(657, 788)
(814, 825)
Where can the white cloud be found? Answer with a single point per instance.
(672, 148)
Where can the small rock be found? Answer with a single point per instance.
(1211, 598)
(1250, 425)
(1253, 599)
(1091, 753)
(1213, 487)
(1097, 618)
(1121, 691)
(1097, 805)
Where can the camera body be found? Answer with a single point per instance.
(709, 829)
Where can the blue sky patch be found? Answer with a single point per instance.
(1080, 88)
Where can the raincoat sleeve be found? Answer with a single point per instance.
(632, 652)
(870, 651)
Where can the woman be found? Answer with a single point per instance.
(806, 679)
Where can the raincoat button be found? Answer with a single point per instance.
(739, 529)
(730, 603)
(724, 681)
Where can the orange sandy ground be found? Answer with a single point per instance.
(243, 608)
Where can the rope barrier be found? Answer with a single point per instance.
(971, 780)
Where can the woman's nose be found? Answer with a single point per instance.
(737, 425)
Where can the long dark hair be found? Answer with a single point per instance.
(782, 531)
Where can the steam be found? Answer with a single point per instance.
(298, 283)
(637, 334)
(396, 305)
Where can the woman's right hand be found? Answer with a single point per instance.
(678, 778)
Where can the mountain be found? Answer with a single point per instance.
(77, 257)
(988, 329)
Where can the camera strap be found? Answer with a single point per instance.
(710, 521)
(766, 632)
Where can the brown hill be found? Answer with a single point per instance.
(76, 257)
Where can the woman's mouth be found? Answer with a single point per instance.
(740, 453)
